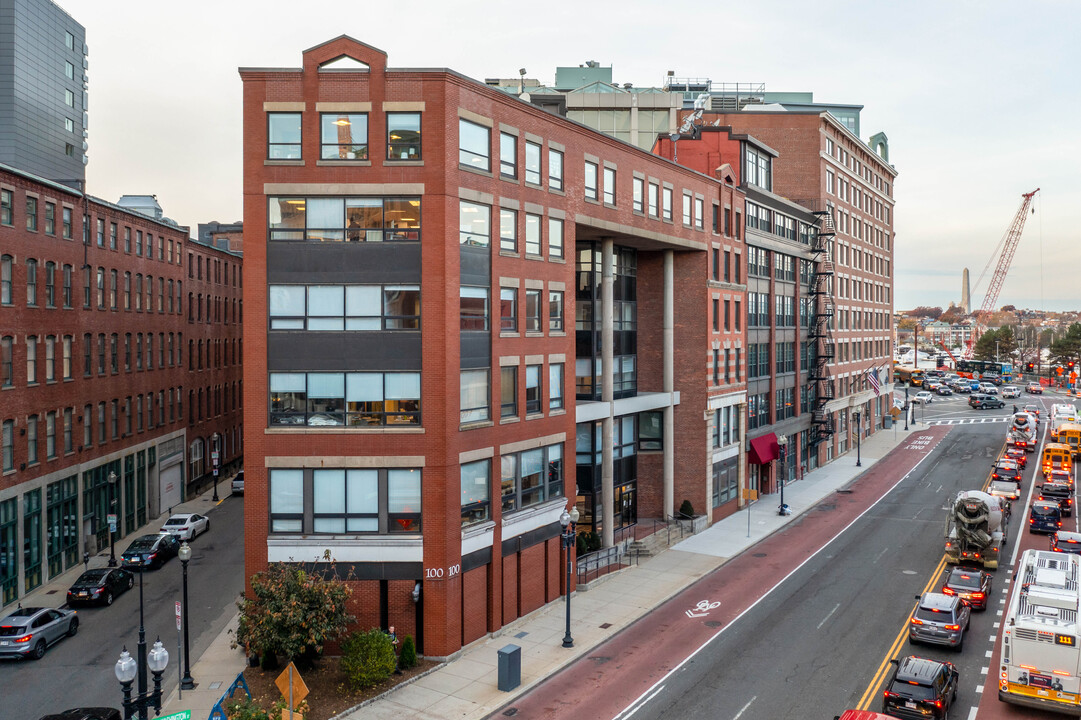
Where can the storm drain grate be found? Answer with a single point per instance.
(605, 626)
(844, 492)
(511, 712)
(760, 554)
(521, 635)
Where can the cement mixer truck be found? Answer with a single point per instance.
(1022, 432)
(976, 528)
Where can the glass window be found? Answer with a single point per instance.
(403, 136)
(474, 145)
(50, 284)
(473, 303)
(555, 386)
(286, 500)
(654, 196)
(555, 170)
(508, 230)
(699, 211)
(5, 279)
(533, 310)
(8, 445)
(532, 163)
(326, 217)
(666, 195)
(32, 214)
(508, 309)
(591, 181)
(283, 136)
(7, 370)
(31, 281)
(610, 186)
(555, 237)
(532, 234)
(474, 395)
(555, 310)
(508, 155)
(532, 389)
(67, 223)
(474, 223)
(403, 501)
(686, 209)
(7, 205)
(344, 136)
(476, 493)
(638, 188)
(508, 391)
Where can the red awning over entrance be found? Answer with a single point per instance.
(764, 449)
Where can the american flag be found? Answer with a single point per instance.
(872, 377)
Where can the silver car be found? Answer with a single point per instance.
(939, 620)
(28, 632)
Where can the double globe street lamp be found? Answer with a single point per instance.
(129, 668)
(569, 521)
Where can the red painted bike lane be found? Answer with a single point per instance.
(623, 669)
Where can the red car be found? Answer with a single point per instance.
(1018, 455)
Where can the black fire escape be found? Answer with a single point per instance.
(820, 335)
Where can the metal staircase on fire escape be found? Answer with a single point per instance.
(820, 334)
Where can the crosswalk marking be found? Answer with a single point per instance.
(968, 421)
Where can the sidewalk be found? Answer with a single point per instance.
(466, 687)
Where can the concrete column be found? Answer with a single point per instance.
(669, 383)
(607, 392)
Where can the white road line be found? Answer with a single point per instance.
(972, 714)
(879, 556)
(741, 709)
(997, 625)
(979, 689)
(654, 694)
(635, 705)
(828, 616)
(983, 670)
(987, 654)
(992, 639)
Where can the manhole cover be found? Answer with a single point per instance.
(511, 712)
(760, 555)
(605, 626)
(521, 635)
(844, 491)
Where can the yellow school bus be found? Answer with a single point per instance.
(1056, 454)
(1070, 434)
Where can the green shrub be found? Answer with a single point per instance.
(408, 656)
(686, 510)
(588, 542)
(245, 709)
(367, 658)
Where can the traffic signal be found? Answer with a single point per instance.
(1070, 364)
(1031, 366)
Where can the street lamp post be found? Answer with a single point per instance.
(128, 669)
(859, 431)
(186, 683)
(214, 462)
(782, 443)
(569, 521)
(906, 407)
(112, 508)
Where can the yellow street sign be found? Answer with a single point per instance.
(750, 494)
(291, 676)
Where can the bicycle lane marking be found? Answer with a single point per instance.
(637, 659)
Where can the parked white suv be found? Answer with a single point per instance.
(238, 483)
(1011, 391)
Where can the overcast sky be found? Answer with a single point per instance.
(980, 99)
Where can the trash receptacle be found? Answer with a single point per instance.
(510, 667)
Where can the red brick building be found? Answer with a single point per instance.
(400, 432)
(92, 375)
(823, 166)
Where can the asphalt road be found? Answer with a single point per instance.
(813, 646)
(78, 671)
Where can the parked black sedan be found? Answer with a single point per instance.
(150, 551)
(100, 586)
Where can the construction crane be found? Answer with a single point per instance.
(1008, 246)
(950, 354)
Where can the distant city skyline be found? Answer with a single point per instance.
(978, 104)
